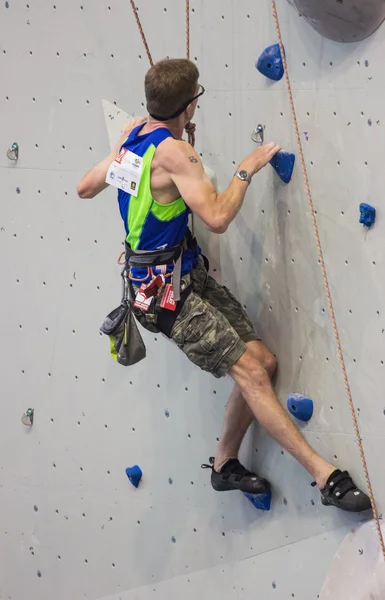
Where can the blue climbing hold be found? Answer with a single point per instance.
(367, 214)
(260, 501)
(270, 63)
(283, 165)
(134, 474)
(300, 407)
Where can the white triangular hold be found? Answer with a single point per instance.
(115, 119)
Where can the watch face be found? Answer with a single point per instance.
(243, 174)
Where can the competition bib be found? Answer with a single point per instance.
(125, 171)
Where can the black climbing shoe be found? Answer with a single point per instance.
(233, 476)
(342, 492)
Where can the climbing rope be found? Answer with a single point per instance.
(188, 29)
(190, 127)
(135, 11)
(327, 287)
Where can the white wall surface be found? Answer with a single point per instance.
(71, 526)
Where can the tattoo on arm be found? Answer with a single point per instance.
(192, 159)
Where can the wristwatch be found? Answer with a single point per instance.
(243, 175)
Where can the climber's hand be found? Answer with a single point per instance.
(259, 158)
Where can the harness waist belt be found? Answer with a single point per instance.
(152, 258)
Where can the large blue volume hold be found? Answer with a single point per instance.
(367, 214)
(283, 165)
(259, 501)
(300, 407)
(134, 474)
(270, 63)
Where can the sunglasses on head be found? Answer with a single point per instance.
(182, 108)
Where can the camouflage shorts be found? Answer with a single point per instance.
(212, 328)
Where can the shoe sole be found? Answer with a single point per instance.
(352, 510)
(228, 487)
(225, 487)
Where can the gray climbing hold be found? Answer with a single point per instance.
(342, 20)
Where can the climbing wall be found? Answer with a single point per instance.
(71, 525)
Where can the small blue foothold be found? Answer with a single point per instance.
(260, 501)
(134, 474)
(367, 214)
(270, 63)
(283, 165)
(300, 407)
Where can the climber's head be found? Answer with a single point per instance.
(172, 89)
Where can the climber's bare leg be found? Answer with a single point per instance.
(238, 415)
(255, 384)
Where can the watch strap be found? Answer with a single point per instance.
(238, 174)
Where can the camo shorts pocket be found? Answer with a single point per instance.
(206, 337)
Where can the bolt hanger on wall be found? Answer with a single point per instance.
(27, 417)
(13, 151)
(258, 134)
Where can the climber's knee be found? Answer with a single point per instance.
(264, 356)
(250, 372)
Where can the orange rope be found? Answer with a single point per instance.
(135, 10)
(190, 127)
(188, 29)
(327, 287)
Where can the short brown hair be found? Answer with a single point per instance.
(169, 84)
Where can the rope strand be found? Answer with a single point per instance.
(190, 127)
(327, 287)
(188, 29)
(135, 10)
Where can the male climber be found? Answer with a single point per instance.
(203, 318)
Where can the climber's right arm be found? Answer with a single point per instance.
(186, 171)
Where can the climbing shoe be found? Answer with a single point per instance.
(234, 476)
(342, 492)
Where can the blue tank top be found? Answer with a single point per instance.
(150, 225)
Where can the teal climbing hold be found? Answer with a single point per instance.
(300, 407)
(134, 474)
(260, 501)
(283, 165)
(270, 63)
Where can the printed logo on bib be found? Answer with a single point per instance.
(125, 171)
